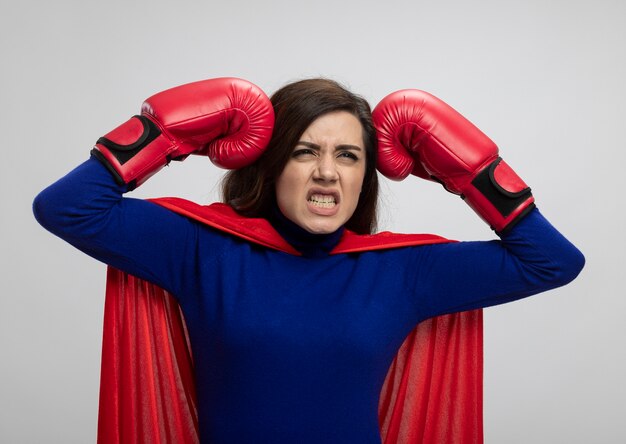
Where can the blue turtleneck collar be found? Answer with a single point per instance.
(309, 244)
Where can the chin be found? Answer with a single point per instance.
(322, 228)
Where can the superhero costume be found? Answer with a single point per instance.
(428, 349)
(283, 393)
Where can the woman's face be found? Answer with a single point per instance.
(320, 185)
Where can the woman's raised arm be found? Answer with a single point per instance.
(230, 120)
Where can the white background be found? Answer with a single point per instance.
(544, 79)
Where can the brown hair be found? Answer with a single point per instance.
(251, 190)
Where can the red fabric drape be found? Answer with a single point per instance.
(147, 392)
(433, 390)
(432, 393)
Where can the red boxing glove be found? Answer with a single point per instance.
(420, 134)
(230, 120)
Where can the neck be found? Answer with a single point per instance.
(309, 244)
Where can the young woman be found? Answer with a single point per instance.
(292, 334)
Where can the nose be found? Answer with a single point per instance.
(326, 169)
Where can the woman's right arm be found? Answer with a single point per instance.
(86, 209)
(228, 119)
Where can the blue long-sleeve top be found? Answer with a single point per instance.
(296, 348)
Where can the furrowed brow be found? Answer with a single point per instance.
(311, 145)
(343, 146)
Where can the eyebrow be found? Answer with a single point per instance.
(343, 146)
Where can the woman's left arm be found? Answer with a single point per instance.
(530, 258)
(422, 135)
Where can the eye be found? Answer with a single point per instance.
(301, 152)
(348, 155)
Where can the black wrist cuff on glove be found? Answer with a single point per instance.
(503, 200)
(123, 153)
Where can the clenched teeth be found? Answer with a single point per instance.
(322, 200)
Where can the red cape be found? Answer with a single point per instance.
(432, 393)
